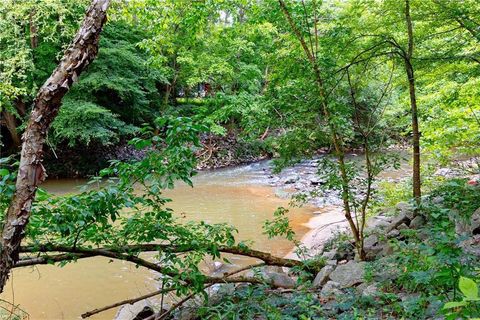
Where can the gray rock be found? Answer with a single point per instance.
(405, 297)
(145, 313)
(471, 245)
(446, 172)
(405, 208)
(398, 220)
(438, 200)
(376, 225)
(348, 274)
(189, 310)
(370, 241)
(322, 276)
(218, 291)
(369, 290)
(466, 227)
(393, 234)
(403, 226)
(434, 308)
(273, 269)
(281, 280)
(387, 249)
(216, 266)
(291, 179)
(417, 222)
(132, 311)
(315, 181)
(475, 221)
(330, 288)
(330, 255)
(331, 307)
(388, 272)
(282, 194)
(373, 251)
(332, 262)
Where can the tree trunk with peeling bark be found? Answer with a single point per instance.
(31, 172)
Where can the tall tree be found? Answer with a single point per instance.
(31, 173)
(408, 60)
(31, 33)
(311, 51)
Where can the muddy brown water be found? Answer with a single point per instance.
(237, 196)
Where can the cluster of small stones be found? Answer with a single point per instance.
(305, 179)
(342, 271)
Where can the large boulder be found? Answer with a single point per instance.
(370, 241)
(139, 310)
(322, 276)
(349, 274)
(475, 222)
(375, 224)
(405, 208)
(146, 313)
(330, 255)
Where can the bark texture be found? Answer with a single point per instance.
(31, 172)
(417, 193)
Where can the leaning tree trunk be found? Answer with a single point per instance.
(31, 173)
(11, 124)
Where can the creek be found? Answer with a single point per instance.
(243, 196)
(239, 196)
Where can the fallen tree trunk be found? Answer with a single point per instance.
(31, 172)
(129, 253)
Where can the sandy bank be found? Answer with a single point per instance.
(325, 222)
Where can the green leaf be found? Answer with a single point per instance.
(468, 287)
(454, 304)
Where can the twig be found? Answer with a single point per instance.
(181, 302)
(123, 302)
(155, 293)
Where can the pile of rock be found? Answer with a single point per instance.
(307, 178)
(340, 273)
(381, 228)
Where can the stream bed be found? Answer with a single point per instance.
(243, 196)
(239, 196)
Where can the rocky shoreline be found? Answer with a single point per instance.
(341, 272)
